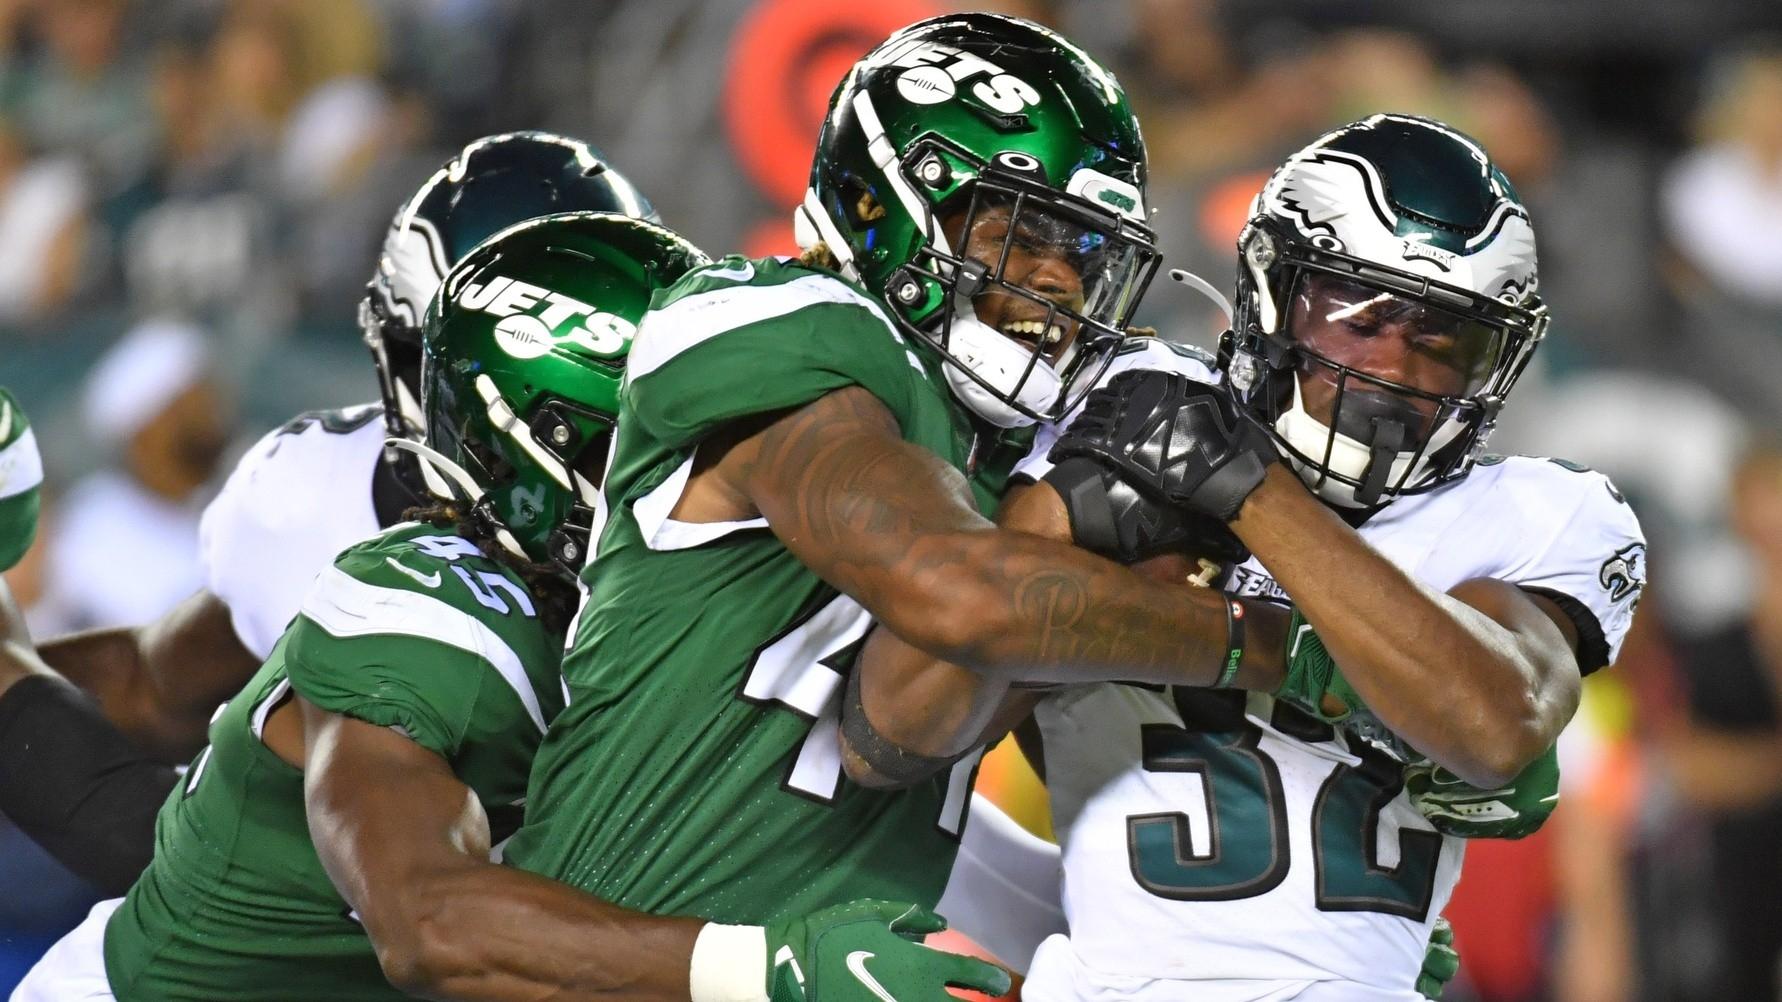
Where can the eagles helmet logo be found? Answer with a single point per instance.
(1338, 201)
(1624, 573)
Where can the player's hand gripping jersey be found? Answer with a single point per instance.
(696, 768)
(1239, 843)
(413, 629)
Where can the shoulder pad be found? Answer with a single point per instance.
(296, 499)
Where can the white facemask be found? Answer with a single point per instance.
(1349, 457)
(1001, 362)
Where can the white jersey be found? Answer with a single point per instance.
(1223, 839)
(302, 494)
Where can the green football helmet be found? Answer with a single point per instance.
(521, 358)
(973, 121)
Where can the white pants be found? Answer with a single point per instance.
(74, 969)
(1059, 975)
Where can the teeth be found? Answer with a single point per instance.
(1046, 333)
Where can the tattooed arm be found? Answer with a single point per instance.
(892, 525)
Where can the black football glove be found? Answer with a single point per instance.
(1183, 441)
(1111, 517)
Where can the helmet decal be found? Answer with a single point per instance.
(934, 72)
(522, 359)
(490, 184)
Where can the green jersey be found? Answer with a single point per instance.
(696, 768)
(21, 477)
(413, 629)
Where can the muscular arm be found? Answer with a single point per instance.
(893, 526)
(1481, 679)
(933, 708)
(407, 845)
(68, 779)
(161, 682)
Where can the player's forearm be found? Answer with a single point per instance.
(479, 932)
(1453, 682)
(927, 706)
(70, 781)
(932, 708)
(108, 665)
(406, 843)
(160, 683)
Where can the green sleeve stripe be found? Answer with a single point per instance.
(701, 316)
(345, 607)
(21, 468)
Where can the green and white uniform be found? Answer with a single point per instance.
(21, 476)
(695, 770)
(412, 629)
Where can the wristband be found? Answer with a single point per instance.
(1234, 642)
(729, 964)
(899, 766)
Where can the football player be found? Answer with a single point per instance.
(302, 494)
(808, 447)
(1232, 845)
(408, 694)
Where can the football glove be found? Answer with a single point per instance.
(1464, 811)
(870, 951)
(1313, 682)
(1440, 961)
(1183, 441)
(1111, 517)
(21, 473)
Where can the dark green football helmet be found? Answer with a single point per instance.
(995, 135)
(521, 359)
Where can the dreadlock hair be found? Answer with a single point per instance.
(818, 255)
(553, 593)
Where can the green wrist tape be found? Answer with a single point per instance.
(1309, 666)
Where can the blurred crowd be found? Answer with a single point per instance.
(192, 193)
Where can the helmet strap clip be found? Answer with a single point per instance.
(1387, 440)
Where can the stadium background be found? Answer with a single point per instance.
(192, 191)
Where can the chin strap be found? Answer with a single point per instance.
(1383, 449)
(447, 480)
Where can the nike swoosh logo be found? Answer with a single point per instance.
(430, 580)
(857, 964)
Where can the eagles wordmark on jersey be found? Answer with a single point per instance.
(413, 629)
(696, 769)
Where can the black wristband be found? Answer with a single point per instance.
(902, 768)
(1234, 642)
(77, 786)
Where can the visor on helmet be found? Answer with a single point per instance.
(1413, 346)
